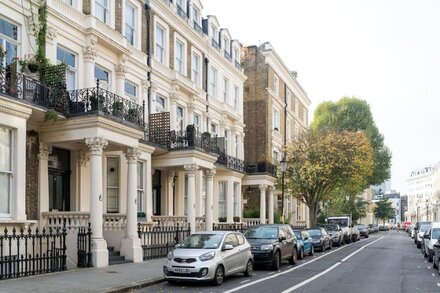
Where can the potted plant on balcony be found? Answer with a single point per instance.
(133, 115)
(190, 133)
(97, 101)
(118, 108)
(30, 62)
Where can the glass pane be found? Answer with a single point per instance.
(159, 35)
(112, 200)
(129, 34)
(66, 57)
(5, 149)
(8, 29)
(70, 79)
(101, 74)
(11, 52)
(112, 172)
(5, 189)
(130, 89)
(140, 201)
(140, 175)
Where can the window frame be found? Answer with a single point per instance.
(182, 63)
(132, 26)
(140, 195)
(180, 120)
(74, 69)
(107, 11)
(213, 81)
(9, 173)
(8, 39)
(276, 85)
(225, 89)
(196, 78)
(158, 24)
(156, 103)
(116, 187)
(222, 212)
(132, 97)
(236, 98)
(276, 120)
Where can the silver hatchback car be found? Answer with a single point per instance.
(209, 256)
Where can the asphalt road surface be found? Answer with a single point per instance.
(387, 262)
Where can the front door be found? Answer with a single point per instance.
(59, 195)
(156, 193)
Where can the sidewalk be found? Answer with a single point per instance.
(116, 278)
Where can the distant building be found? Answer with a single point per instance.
(382, 188)
(394, 198)
(420, 192)
(403, 207)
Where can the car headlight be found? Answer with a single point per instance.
(266, 247)
(207, 256)
(170, 255)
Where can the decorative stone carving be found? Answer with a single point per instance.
(153, 87)
(174, 97)
(262, 187)
(191, 107)
(51, 34)
(44, 151)
(132, 154)
(210, 173)
(146, 85)
(96, 144)
(121, 69)
(89, 51)
(191, 169)
(83, 158)
(171, 175)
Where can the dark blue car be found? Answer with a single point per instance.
(304, 243)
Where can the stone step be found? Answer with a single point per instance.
(110, 248)
(118, 262)
(115, 258)
(114, 253)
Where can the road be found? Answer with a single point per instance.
(385, 262)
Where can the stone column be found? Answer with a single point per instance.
(99, 245)
(191, 170)
(230, 201)
(83, 185)
(170, 197)
(43, 156)
(270, 204)
(149, 191)
(209, 215)
(131, 245)
(173, 110)
(263, 188)
(121, 70)
(89, 55)
(190, 119)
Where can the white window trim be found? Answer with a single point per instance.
(166, 48)
(237, 56)
(111, 16)
(181, 120)
(198, 53)
(177, 37)
(133, 98)
(226, 89)
(213, 92)
(109, 83)
(137, 22)
(276, 122)
(12, 181)
(237, 98)
(276, 85)
(142, 206)
(73, 69)
(197, 20)
(166, 106)
(105, 201)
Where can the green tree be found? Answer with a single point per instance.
(322, 161)
(353, 114)
(340, 204)
(383, 210)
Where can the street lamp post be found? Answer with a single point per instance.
(283, 174)
(427, 213)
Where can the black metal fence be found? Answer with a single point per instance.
(231, 162)
(84, 247)
(25, 253)
(157, 241)
(238, 227)
(193, 140)
(262, 167)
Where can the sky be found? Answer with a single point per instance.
(386, 52)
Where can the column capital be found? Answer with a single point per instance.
(263, 187)
(271, 188)
(210, 173)
(132, 154)
(44, 151)
(96, 144)
(171, 175)
(89, 50)
(191, 169)
(153, 87)
(83, 158)
(146, 84)
(174, 97)
(51, 34)
(121, 69)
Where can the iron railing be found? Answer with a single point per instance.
(237, 64)
(193, 140)
(101, 101)
(84, 247)
(25, 253)
(262, 167)
(215, 44)
(181, 12)
(19, 86)
(231, 162)
(228, 56)
(158, 241)
(197, 27)
(238, 227)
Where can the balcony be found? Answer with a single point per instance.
(180, 140)
(215, 44)
(181, 13)
(197, 27)
(228, 56)
(100, 101)
(231, 162)
(262, 167)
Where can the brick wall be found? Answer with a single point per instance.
(32, 175)
(118, 16)
(172, 31)
(87, 7)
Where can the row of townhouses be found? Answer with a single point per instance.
(150, 114)
(424, 194)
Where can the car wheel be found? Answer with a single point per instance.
(294, 257)
(249, 268)
(419, 245)
(330, 244)
(219, 275)
(301, 253)
(312, 250)
(430, 257)
(276, 261)
(434, 265)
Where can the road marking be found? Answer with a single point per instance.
(356, 251)
(288, 270)
(438, 284)
(245, 281)
(271, 273)
(433, 275)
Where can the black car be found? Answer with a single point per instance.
(362, 230)
(321, 239)
(271, 244)
(335, 233)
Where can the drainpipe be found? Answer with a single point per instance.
(148, 13)
(206, 90)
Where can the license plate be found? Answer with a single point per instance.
(182, 270)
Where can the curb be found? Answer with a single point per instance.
(134, 285)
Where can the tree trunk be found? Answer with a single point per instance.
(313, 214)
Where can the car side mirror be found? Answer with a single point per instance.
(282, 238)
(426, 236)
(340, 230)
(228, 247)
(306, 238)
(177, 245)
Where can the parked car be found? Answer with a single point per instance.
(406, 226)
(363, 231)
(209, 256)
(304, 243)
(416, 229)
(370, 229)
(355, 234)
(335, 233)
(436, 258)
(271, 244)
(429, 239)
(320, 237)
(420, 233)
(376, 227)
(382, 228)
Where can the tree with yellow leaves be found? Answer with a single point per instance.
(321, 161)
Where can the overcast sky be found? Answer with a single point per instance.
(383, 51)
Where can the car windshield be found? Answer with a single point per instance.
(435, 233)
(331, 227)
(424, 228)
(298, 234)
(262, 233)
(341, 222)
(314, 232)
(360, 227)
(202, 241)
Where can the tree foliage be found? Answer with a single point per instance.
(322, 161)
(341, 203)
(352, 114)
(383, 210)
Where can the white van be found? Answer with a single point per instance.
(430, 238)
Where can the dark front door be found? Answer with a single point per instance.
(156, 193)
(59, 195)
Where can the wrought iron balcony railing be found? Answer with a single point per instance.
(262, 167)
(215, 44)
(193, 140)
(197, 27)
(231, 162)
(181, 13)
(22, 87)
(103, 102)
